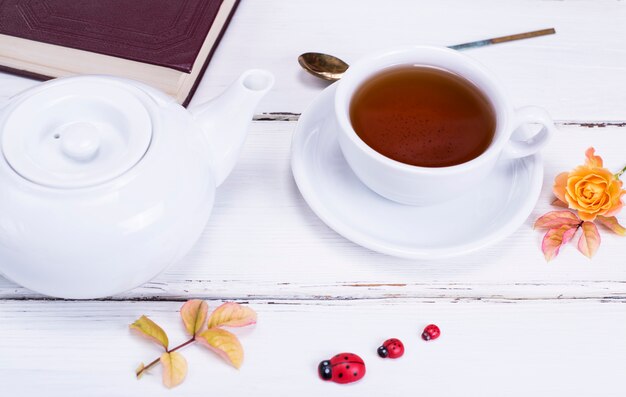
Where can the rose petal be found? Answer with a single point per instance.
(560, 183)
(614, 210)
(590, 189)
(592, 159)
(587, 216)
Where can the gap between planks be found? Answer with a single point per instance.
(353, 291)
(328, 301)
(289, 116)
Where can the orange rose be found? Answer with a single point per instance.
(590, 189)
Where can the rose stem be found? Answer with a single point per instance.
(156, 360)
(620, 173)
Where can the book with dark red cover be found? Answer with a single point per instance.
(166, 33)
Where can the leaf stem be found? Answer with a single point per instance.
(620, 173)
(190, 341)
(152, 364)
(156, 360)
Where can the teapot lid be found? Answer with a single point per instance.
(76, 132)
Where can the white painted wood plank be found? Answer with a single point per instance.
(576, 74)
(513, 325)
(569, 348)
(264, 242)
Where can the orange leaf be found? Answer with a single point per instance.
(555, 239)
(224, 343)
(612, 224)
(556, 219)
(592, 159)
(194, 314)
(589, 241)
(174, 368)
(232, 314)
(149, 329)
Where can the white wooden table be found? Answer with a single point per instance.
(512, 324)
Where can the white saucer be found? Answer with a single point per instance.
(486, 214)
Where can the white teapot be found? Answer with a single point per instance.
(104, 181)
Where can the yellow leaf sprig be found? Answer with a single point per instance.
(207, 332)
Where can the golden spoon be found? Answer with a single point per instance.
(331, 68)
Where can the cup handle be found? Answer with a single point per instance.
(520, 146)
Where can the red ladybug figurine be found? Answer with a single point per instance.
(342, 368)
(392, 348)
(431, 332)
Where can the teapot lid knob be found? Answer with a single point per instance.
(77, 132)
(80, 140)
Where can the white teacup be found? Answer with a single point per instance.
(410, 184)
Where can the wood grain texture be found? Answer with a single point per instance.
(575, 74)
(486, 349)
(263, 242)
(512, 324)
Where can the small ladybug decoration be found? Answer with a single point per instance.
(431, 332)
(392, 348)
(342, 368)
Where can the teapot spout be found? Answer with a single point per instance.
(226, 118)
